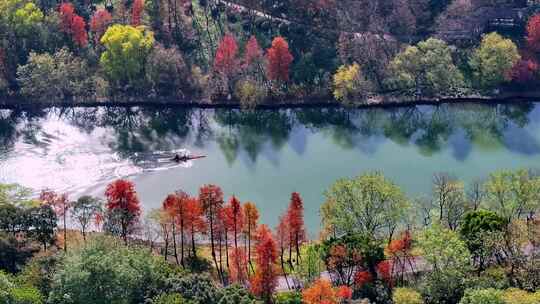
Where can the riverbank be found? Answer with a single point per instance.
(315, 102)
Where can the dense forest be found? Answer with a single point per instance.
(265, 51)
(460, 244)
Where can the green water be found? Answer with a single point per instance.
(263, 156)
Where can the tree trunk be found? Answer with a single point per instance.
(174, 243)
(182, 243)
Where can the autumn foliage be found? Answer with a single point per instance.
(251, 217)
(320, 292)
(533, 33)
(136, 12)
(225, 61)
(234, 219)
(211, 200)
(295, 218)
(239, 264)
(279, 60)
(253, 51)
(122, 198)
(264, 282)
(99, 22)
(524, 71)
(73, 24)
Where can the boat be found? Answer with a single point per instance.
(184, 158)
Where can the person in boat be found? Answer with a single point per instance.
(183, 158)
(177, 158)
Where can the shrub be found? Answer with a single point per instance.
(482, 296)
(517, 296)
(250, 93)
(406, 296)
(106, 272)
(5, 287)
(292, 297)
(26, 295)
(350, 85)
(58, 76)
(169, 298)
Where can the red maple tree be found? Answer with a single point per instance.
(251, 216)
(523, 72)
(253, 51)
(533, 33)
(295, 217)
(384, 270)
(122, 198)
(175, 205)
(194, 221)
(401, 256)
(361, 278)
(283, 240)
(264, 282)
(279, 60)
(234, 218)
(60, 204)
(136, 12)
(238, 269)
(211, 200)
(73, 24)
(225, 61)
(99, 22)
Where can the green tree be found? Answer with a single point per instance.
(513, 194)
(476, 229)
(483, 296)
(43, 221)
(449, 259)
(58, 76)
(369, 204)
(104, 271)
(492, 60)
(84, 211)
(427, 69)
(311, 265)
(126, 52)
(26, 295)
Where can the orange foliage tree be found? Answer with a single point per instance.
(122, 198)
(283, 240)
(176, 205)
(60, 204)
(264, 282)
(211, 200)
(73, 24)
(251, 216)
(136, 12)
(238, 269)
(401, 256)
(533, 33)
(320, 292)
(295, 217)
(194, 221)
(279, 60)
(234, 218)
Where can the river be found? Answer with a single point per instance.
(262, 156)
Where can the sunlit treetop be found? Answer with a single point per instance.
(21, 15)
